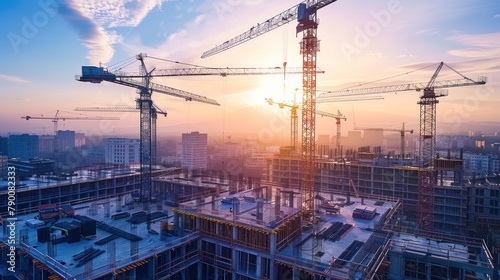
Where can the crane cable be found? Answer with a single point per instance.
(178, 62)
(379, 80)
(122, 64)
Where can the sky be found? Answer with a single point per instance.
(44, 43)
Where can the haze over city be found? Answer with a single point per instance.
(208, 172)
(45, 43)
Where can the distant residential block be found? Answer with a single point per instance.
(121, 150)
(194, 150)
(23, 146)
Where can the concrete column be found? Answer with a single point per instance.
(234, 256)
(258, 271)
(429, 272)
(183, 254)
(200, 268)
(235, 233)
(151, 269)
(181, 226)
(260, 210)
(215, 203)
(216, 273)
(272, 265)
(168, 259)
(176, 221)
(295, 274)
(36, 277)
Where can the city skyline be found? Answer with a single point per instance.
(45, 45)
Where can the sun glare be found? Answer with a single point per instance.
(277, 88)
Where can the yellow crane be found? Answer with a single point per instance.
(294, 116)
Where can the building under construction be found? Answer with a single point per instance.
(228, 229)
(454, 204)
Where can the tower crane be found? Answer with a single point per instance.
(338, 117)
(56, 118)
(294, 116)
(294, 120)
(402, 132)
(305, 13)
(145, 88)
(154, 115)
(294, 124)
(427, 138)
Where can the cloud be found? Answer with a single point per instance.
(117, 13)
(92, 20)
(14, 79)
(477, 45)
(497, 16)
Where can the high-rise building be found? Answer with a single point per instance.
(23, 146)
(65, 140)
(373, 138)
(353, 140)
(46, 144)
(3, 165)
(79, 139)
(121, 150)
(194, 150)
(4, 147)
(480, 165)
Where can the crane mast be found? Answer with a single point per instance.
(294, 125)
(154, 115)
(309, 46)
(145, 104)
(338, 117)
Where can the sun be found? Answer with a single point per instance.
(278, 88)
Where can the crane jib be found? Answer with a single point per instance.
(271, 24)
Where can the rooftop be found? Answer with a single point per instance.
(62, 260)
(333, 243)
